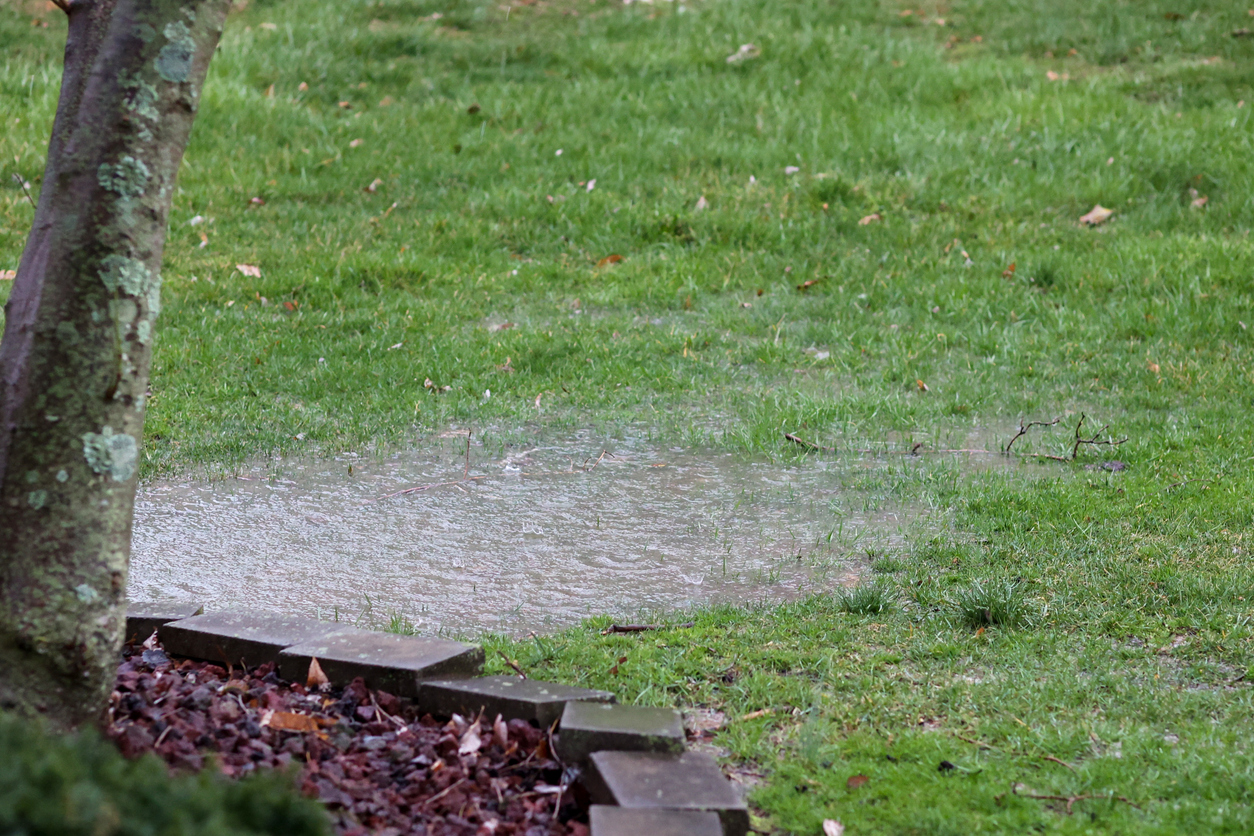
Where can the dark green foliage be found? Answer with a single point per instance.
(67, 786)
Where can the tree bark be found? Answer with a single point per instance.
(77, 345)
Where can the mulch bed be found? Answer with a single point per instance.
(378, 765)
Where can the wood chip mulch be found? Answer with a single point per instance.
(378, 766)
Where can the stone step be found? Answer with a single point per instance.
(143, 617)
(512, 698)
(653, 781)
(386, 661)
(234, 638)
(624, 821)
(588, 727)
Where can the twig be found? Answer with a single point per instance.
(446, 791)
(21, 181)
(1023, 430)
(1071, 799)
(979, 743)
(1184, 482)
(512, 664)
(1079, 439)
(640, 628)
(808, 444)
(1058, 761)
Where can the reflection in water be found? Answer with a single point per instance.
(541, 539)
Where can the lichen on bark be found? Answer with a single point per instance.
(76, 349)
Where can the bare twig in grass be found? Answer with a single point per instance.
(641, 628)
(809, 445)
(1058, 761)
(17, 178)
(1095, 440)
(1184, 482)
(1023, 430)
(972, 741)
(1070, 800)
(514, 666)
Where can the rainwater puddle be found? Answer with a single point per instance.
(521, 540)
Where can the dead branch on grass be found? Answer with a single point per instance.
(641, 628)
(809, 445)
(1094, 440)
(1023, 430)
(1069, 800)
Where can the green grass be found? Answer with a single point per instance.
(1133, 589)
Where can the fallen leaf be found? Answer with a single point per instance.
(394, 347)
(870, 219)
(346, 105)
(807, 284)
(291, 306)
(7, 275)
(1097, 215)
(1154, 367)
(249, 270)
(922, 386)
(1052, 76)
(745, 53)
(387, 101)
(612, 258)
(374, 185)
(302, 87)
(289, 721)
(473, 109)
(791, 169)
(355, 143)
(702, 721)
(538, 397)
(471, 742)
(592, 184)
(1199, 202)
(258, 201)
(856, 781)
(500, 731)
(1009, 272)
(753, 715)
(702, 203)
(832, 827)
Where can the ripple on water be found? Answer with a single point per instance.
(532, 543)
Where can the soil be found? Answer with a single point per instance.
(378, 765)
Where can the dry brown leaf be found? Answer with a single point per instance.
(1154, 367)
(761, 712)
(7, 275)
(316, 678)
(249, 270)
(374, 185)
(613, 258)
(356, 143)
(258, 201)
(1009, 272)
(832, 827)
(1097, 215)
(1199, 202)
(870, 219)
(856, 781)
(807, 284)
(471, 741)
(702, 204)
(289, 721)
(923, 386)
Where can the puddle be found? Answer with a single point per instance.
(534, 539)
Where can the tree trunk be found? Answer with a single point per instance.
(77, 345)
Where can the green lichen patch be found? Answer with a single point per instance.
(114, 454)
(174, 62)
(37, 499)
(128, 177)
(126, 275)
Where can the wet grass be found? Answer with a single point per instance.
(1134, 587)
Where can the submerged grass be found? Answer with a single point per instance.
(416, 223)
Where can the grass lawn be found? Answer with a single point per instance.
(415, 183)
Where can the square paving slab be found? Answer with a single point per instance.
(512, 698)
(624, 821)
(252, 638)
(385, 660)
(589, 727)
(142, 617)
(653, 781)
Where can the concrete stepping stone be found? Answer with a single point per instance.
(385, 661)
(250, 638)
(512, 698)
(589, 727)
(624, 821)
(142, 617)
(653, 781)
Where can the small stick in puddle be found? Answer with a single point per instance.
(808, 444)
(1094, 440)
(1023, 430)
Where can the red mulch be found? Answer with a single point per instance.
(377, 765)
